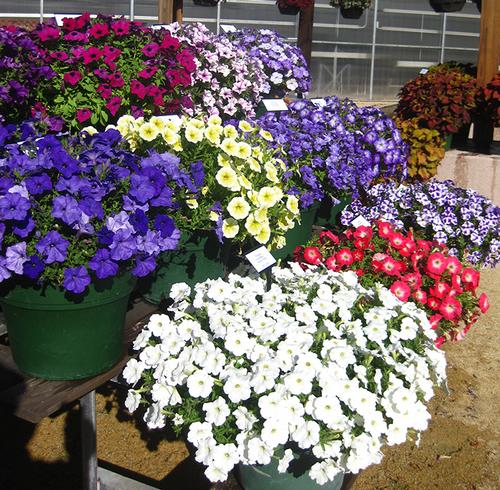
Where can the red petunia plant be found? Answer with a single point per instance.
(300, 4)
(106, 67)
(414, 270)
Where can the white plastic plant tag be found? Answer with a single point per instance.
(228, 28)
(59, 17)
(157, 27)
(260, 259)
(273, 105)
(423, 71)
(319, 102)
(171, 117)
(360, 221)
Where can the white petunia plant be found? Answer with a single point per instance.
(316, 364)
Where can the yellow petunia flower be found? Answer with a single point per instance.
(244, 150)
(223, 160)
(213, 134)
(292, 204)
(254, 165)
(192, 203)
(148, 132)
(263, 235)
(245, 126)
(238, 208)
(228, 178)
(230, 228)
(193, 134)
(214, 121)
(230, 146)
(170, 137)
(268, 197)
(244, 182)
(252, 225)
(230, 131)
(266, 135)
(261, 215)
(158, 122)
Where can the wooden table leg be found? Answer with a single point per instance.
(89, 444)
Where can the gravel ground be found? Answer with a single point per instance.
(459, 450)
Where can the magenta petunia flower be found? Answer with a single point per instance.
(98, 30)
(83, 114)
(148, 72)
(48, 33)
(72, 77)
(150, 50)
(114, 105)
(120, 27)
(92, 54)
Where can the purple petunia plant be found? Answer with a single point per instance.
(21, 70)
(466, 222)
(341, 149)
(284, 64)
(78, 209)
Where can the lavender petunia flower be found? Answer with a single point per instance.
(15, 257)
(76, 279)
(52, 247)
(102, 264)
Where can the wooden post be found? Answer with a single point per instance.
(170, 11)
(305, 35)
(489, 41)
(487, 63)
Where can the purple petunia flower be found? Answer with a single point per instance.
(144, 266)
(4, 272)
(124, 245)
(33, 267)
(13, 206)
(15, 257)
(38, 184)
(102, 264)
(66, 209)
(52, 247)
(76, 279)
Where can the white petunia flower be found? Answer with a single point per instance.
(216, 411)
(179, 291)
(132, 401)
(133, 371)
(285, 460)
(200, 384)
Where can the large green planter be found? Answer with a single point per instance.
(199, 257)
(327, 214)
(57, 336)
(299, 234)
(267, 477)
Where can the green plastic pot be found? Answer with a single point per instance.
(447, 142)
(57, 336)
(299, 234)
(267, 477)
(199, 257)
(327, 214)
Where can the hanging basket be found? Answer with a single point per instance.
(351, 12)
(288, 9)
(478, 4)
(447, 5)
(57, 336)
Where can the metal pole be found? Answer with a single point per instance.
(41, 11)
(132, 13)
(89, 446)
(443, 39)
(218, 18)
(374, 40)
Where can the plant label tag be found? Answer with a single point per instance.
(157, 27)
(360, 221)
(273, 105)
(319, 102)
(171, 117)
(228, 28)
(260, 259)
(423, 71)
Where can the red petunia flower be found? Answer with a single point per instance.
(116, 80)
(48, 33)
(327, 234)
(436, 263)
(440, 289)
(484, 304)
(420, 296)
(361, 243)
(137, 88)
(111, 53)
(391, 266)
(451, 309)
(439, 342)
(331, 264)
(384, 229)
(401, 290)
(358, 255)
(435, 320)
(414, 279)
(397, 240)
(105, 90)
(470, 278)
(344, 257)
(364, 232)
(433, 303)
(454, 265)
(148, 72)
(312, 255)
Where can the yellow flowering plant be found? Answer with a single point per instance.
(231, 176)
